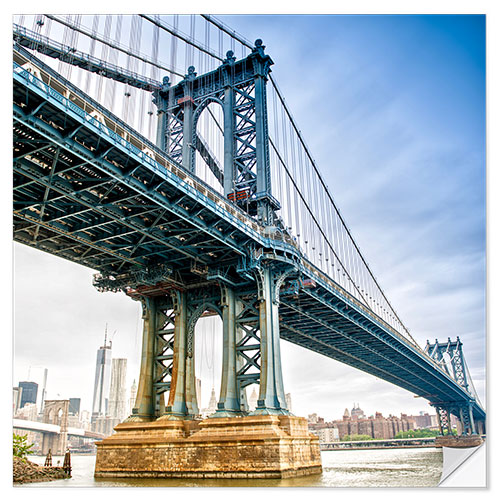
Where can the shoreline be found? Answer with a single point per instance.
(340, 448)
(25, 471)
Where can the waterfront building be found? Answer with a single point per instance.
(327, 435)
(85, 420)
(74, 421)
(28, 412)
(102, 381)
(29, 392)
(357, 412)
(377, 427)
(104, 424)
(434, 421)
(312, 418)
(117, 407)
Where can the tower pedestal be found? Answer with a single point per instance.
(260, 446)
(458, 441)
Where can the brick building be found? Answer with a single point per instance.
(355, 422)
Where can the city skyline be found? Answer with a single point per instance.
(420, 222)
(121, 370)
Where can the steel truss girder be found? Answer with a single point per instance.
(354, 317)
(111, 213)
(176, 209)
(354, 360)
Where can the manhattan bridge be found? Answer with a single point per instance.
(160, 152)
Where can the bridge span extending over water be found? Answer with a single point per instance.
(90, 189)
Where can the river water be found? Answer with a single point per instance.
(407, 467)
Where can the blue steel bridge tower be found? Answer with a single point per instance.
(239, 87)
(245, 293)
(169, 240)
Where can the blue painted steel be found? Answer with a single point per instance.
(240, 87)
(272, 394)
(172, 217)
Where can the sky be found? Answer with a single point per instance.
(393, 110)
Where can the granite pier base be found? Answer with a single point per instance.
(458, 441)
(261, 446)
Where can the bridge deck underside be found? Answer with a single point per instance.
(81, 194)
(328, 329)
(78, 196)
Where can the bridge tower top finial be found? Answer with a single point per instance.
(191, 74)
(230, 59)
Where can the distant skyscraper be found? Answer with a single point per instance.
(288, 399)
(102, 381)
(44, 389)
(117, 408)
(74, 406)
(133, 395)
(198, 392)
(29, 394)
(16, 399)
(212, 404)
(252, 401)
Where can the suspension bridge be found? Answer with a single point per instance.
(188, 186)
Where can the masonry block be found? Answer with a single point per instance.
(261, 446)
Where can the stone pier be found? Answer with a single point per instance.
(463, 441)
(259, 446)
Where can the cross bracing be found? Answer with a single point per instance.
(90, 189)
(84, 192)
(308, 212)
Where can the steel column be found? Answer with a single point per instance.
(228, 109)
(271, 395)
(229, 400)
(144, 403)
(176, 407)
(471, 420)
(191, 401)
(188, 130)
(240, 334)
(161, 104)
